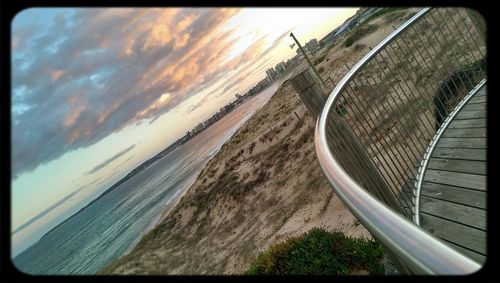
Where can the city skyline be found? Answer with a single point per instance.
(97, 91)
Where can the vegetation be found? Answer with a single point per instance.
(321, 69)
(382, 12)
(450, 92)
(359, 33)
(329, 48)
(320, 252)
(320, 59)
(393, 14)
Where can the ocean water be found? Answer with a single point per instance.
(112, 225)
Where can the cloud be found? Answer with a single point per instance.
(123, 163)
(46, 211)
(108, 161)
(197, 105)
(90, 73)
(283, 36)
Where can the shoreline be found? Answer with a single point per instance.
(178, 195)
(170, 205)
(262, 187)
(239, 214)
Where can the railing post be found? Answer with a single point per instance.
(313, 95)
(355, 159)
(351, 152)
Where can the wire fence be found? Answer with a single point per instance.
(396, 102)
(381, 117)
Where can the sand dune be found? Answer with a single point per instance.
(263, 186)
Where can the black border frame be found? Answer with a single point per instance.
(8, 272)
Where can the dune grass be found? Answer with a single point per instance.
(320, 252)
(359, 33)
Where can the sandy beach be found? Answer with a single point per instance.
(263, 186)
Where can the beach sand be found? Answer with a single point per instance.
(264, 186)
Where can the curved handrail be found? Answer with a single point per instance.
(421, 252)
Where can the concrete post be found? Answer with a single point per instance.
(307, 57)
(310, 91)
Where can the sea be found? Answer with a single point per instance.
(112, 225)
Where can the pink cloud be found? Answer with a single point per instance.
(71, 117)
(134, 57)
(56, 75)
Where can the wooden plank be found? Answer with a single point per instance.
(477, 257)
(460, 153)
(481, 92)
(464, 166)
(471, 238)
(456, 194)
(476, 106)
(470, 114)
(471, 181)
(462, 142)
(465, 133)
(470, 216)
(477, 99)
(472, 123)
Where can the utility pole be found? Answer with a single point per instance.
(308, 60)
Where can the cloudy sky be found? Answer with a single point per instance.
(96, 91)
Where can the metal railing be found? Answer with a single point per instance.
(377, 124)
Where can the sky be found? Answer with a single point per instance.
(97, 91)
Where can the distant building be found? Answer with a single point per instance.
(281, 67)
(355, 22)
(271, 73)
(312, 45)
(329, 39)
(295, 59)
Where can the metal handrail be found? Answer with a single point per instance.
(423, 253)
(418, 250)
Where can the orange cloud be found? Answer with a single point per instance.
(183, 24)
(195, 44)
(72, 99)
(127, 51)
(102, 116)
(181, 41)
(80, 131)
(161, 29)
(56, 75)
(158, 103)
(70, 119)
(158, 37)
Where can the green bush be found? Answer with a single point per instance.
(359, 33)
(320, 59)
(382, 12)
(321, 69)
(320, 252)
(349, 42)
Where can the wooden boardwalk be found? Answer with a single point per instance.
(453, 194)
